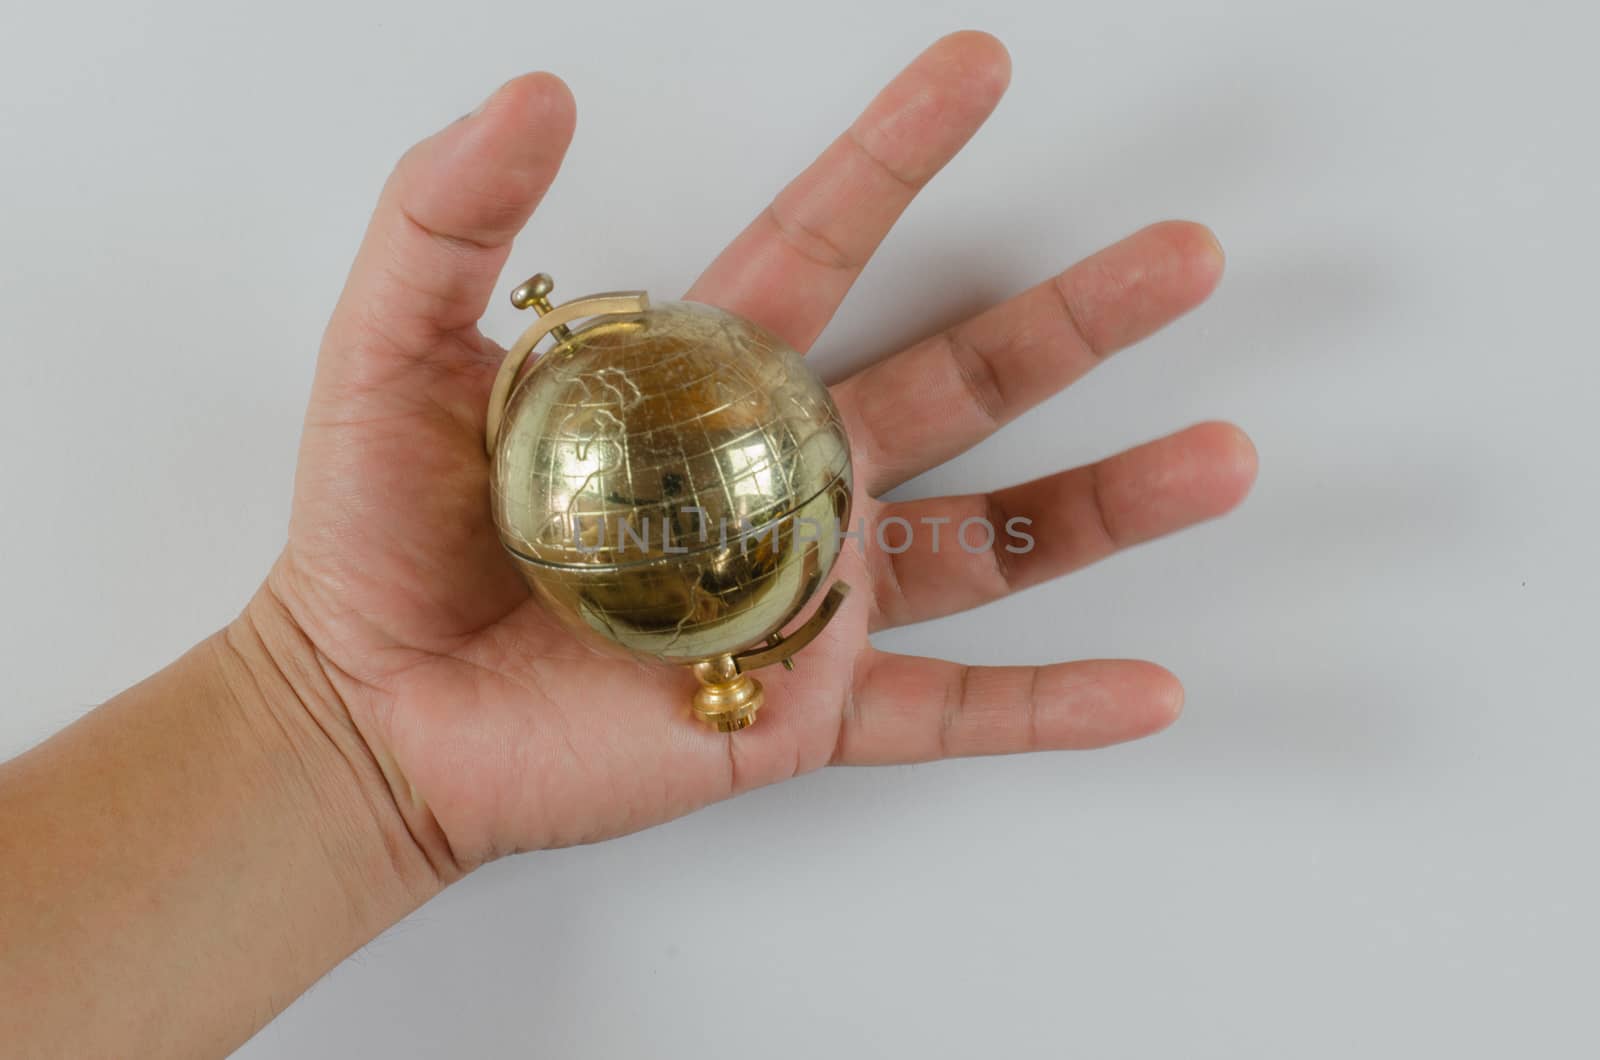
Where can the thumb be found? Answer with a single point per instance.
(440, 235)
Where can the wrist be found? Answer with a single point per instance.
(299, 723)
(186, 859)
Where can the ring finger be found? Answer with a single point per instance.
(1040, 530)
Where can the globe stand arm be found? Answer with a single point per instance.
(729, 697)
(611, 303)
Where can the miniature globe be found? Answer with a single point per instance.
(671, 481)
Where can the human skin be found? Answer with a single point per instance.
(392, 709)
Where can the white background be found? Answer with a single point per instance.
(1371, 834)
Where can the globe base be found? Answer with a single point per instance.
(727, 699)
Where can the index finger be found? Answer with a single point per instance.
(792, 266)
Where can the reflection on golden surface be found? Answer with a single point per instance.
(670, 481)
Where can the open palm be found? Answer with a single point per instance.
(498, 731)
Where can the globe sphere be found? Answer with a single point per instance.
(672, 481)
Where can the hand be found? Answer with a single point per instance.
(406, 630)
